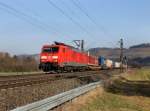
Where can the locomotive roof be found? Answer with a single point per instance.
(57, 44)
(62, 44)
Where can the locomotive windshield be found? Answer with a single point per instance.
(50, 49)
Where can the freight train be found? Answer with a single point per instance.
(60, 57)
(105, 63)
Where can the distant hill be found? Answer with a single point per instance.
(106, 52)
(136, 52)
(145, 45)
(141, 50)
(141, 61)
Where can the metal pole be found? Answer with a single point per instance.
(126, 63)
(82, 45)
(121, 55)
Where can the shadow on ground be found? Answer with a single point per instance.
(127, 87)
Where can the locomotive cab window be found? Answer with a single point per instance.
(50, 49)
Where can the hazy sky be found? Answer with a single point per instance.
(25, 25)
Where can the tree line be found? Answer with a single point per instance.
(17, 64)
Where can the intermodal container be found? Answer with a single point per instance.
(109, 63)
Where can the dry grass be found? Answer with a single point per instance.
(81, 101)
(139, 75)
(117, 102)
(112, 102)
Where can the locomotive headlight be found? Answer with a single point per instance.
(55, 57)
(43, 57)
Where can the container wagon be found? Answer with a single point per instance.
(109, 64)
(102, 62)
(117, 65)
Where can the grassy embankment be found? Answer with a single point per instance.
(118, 102)
(139, 75)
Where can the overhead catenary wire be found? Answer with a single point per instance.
(27, 18)
(82, 9)
(67, 6)
(77, 4)
(72, 19)
(69, 17)
(27, 8)
(12, 12)
(71, 10)
(84, 12)
(36, 22)
(16, 12)
(36, 14)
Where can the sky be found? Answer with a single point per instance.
(26, 25)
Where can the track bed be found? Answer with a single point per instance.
(20, 90)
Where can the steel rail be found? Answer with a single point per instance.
(23, 81)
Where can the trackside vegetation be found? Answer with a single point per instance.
(112, 102)
(16, 64)
(129, 94)
(139, 75)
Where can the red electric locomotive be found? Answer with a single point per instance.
(62, 57)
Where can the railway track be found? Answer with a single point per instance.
(24, 80)
(22, 90)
